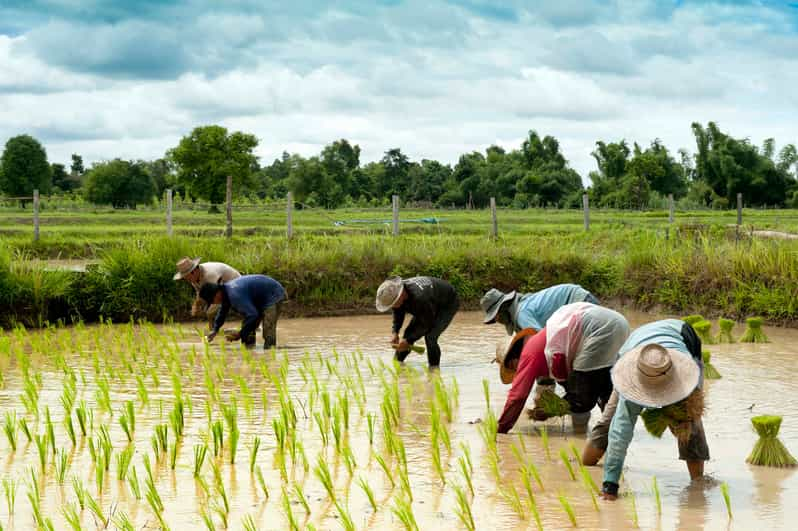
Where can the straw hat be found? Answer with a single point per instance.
(654, 376)
(492, 301)
(508, 350)
(185, 266)
(388, 293)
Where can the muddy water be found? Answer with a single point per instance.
(758, 375)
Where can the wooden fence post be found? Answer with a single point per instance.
(739, 208)
(289, 218)
(168, 211)
(228, 231)
(495, 227)
(35, 215)
(586, 207)
(395, 204)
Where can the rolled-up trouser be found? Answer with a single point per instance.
(268, 321)
(444, 318)
(695, 448)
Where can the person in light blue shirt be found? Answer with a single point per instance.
(660, 364)
(517, 311)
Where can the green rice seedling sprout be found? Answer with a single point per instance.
(486, 392)
(217, 431)
(99, 475)
(587, 479)
(300, 494)
(103, 395)
(725, 334)
(525, 475)
(753, 331)
(70, 428)
(61, 465)
(724, 489)
(207, 519)
(162, 432)
(436, 460)
(173, 456)
(510, 494)
(151, 492)
(10, 429)
(404, 483)
(463, 510)
(704, 330)
(23, 424)
(349, 460)
(104, 444)
(633, 505)
(322, 472)
(50, 428)
(177, 419)
(41, 446)
(371, 418)
(80, 413)
(657, 498)
(96, 510)
(384, 466)
(233, 440)
(253, 453)
(133, 482)
(122, 521)
(80, 492)
(368, 491)
(443, 399)
(10, 492)
(261, 482)
(566, 505)
(70, 513)
(464, 471)
(123, 422)
(141, 391)
(403, 510)
(248, 523)
(200, 451)
(710, 372)
(769, 450)
(289, 514)
(544, 438)
(467, 454)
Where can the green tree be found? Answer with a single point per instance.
(76, 168)
(162, 173)
(24, 168)
(119, 183)
(206, 157)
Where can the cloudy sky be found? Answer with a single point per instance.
(127, 79)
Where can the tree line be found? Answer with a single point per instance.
(532, 175)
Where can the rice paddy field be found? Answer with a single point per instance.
(143, 426)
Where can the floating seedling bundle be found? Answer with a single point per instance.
(710, 372)
(725, 334)
(704, 330)
(753, 331)
(677, 417)
(769, 450)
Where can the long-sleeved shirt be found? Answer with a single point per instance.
(531, 365)
(426, 296)
(534, 309)
(216, 272)
(249, 295)
(667, 333)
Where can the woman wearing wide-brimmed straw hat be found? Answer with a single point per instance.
(432, 302)
(577, 348)
(660, 365)
(198, 274)
(517, 311)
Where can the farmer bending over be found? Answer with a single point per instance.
(517, 311)
(577, 347)
(256, 297)
(660, 366)
(431, 301)
(198, 275)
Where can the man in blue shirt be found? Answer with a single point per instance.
(517, 311)
(256, 297)
(660, 364)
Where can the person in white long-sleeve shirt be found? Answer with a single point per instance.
(197, 274)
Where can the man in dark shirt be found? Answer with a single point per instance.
(431, 301)
(256, 297)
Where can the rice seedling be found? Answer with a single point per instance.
(141, 391)
(103, 395)
(383, 465)
(725, 334)
(510, 494)
(218, 433)
(587, 479)
(464, 471)
(177, 419)
(70, 428)
(162, 433)
(173, 455)
(322, 472)
(704, 330)
(467, 454)
(61, 466)
(99, 475)
(123, 522)
(248, 523)
(544, 439)
(207, 519)
(10, 493)
(566, 505)
(41, 446)
(710, 372)
(80, 413)
(403, 510)
(349, 460)
(70, 513)
(633, 506)
(80, 492)
(10, 429)
(436, 460)
(724, 489)
(552, 404)
(753, 331)
(151, 492)
(233, 440)
(133, 482)
(769, 450)
(289, 514)
(96, 510)
(463, 510)
(368, 491)
(675, 417)
(23, 424)
(371, 418)
(300, 494)
(261, 482)
(657, 498)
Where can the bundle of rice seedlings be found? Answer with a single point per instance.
(678, 417)
(552, 404)
(710, 372)
(704, 330)
(753, 331)
(769, 450)
(692, 319)
(725, 333)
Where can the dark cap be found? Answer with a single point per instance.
(208, 291)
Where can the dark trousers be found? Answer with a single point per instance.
(268, 319)
(444, 318)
